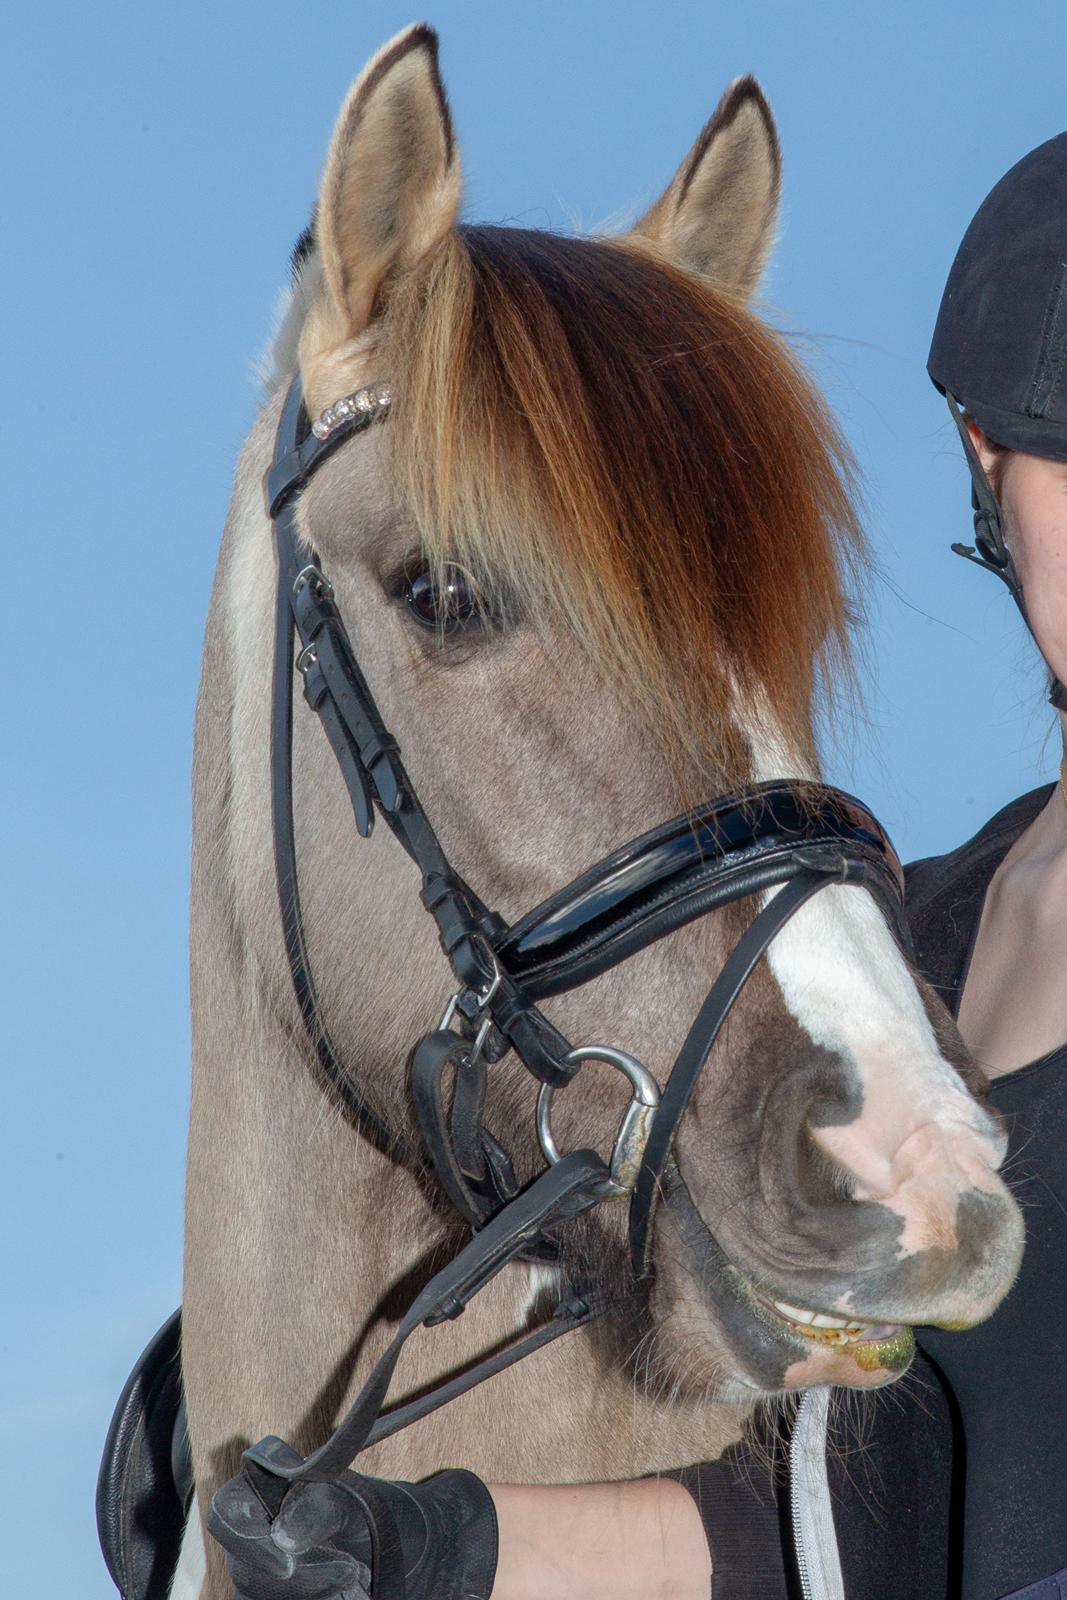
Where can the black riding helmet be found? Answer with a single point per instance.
(999, 351)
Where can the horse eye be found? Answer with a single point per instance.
(446, 604)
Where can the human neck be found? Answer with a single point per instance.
(1037, 861)
(1055, 813)
(1013, 1010)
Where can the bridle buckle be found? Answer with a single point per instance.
(481, 1001)
(313, 574)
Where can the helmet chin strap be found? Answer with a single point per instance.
(989, 549)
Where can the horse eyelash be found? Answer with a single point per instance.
(395, 582)
(499, 612)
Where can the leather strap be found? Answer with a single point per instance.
(358, 1105)
(992, 551)
(436, 1055)
(573, 1312)
(739, 844)
(697, 1047)
(565, 1190)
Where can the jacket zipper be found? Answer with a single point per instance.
(818, 1560)
(803, 1571)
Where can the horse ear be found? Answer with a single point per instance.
(391, 186)
(718, 215)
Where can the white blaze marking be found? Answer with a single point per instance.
(847, 984)
(191, 1570)
(542, 1280)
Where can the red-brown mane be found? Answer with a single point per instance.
(622, 444)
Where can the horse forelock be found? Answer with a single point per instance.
(605, 439)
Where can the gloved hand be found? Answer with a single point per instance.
(441, 1534)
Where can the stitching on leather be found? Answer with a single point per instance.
(1052, 351)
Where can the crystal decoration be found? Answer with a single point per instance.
(362, 402)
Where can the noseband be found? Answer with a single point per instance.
(792, 838)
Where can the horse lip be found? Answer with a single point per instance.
(758, 1303)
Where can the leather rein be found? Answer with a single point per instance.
(793, 838)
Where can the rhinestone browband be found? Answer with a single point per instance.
(376, 398)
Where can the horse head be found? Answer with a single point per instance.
(595, 568)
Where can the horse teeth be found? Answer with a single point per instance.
(794, 1313)
(819, 1324)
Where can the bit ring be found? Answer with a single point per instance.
(637, 1119)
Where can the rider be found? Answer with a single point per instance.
(947, 1496)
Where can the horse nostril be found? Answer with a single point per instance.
(820, 1180)
(818, 1092)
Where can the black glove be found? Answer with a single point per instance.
(355, 1536)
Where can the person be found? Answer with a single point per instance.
(958, 1489)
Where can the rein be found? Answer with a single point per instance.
(795, 838)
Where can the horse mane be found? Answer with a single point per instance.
(601, 438)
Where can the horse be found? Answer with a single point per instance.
(599, 563)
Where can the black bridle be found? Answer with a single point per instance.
(792, 837)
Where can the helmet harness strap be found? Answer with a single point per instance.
(989, 549)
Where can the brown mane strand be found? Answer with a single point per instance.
(624, 446)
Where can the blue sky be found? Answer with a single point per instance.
(159, 163)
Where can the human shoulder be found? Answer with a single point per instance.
(931, 876)
(944, 894)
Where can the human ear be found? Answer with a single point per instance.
(988, 453)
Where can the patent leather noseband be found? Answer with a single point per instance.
(734, 846)
(783, 841)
